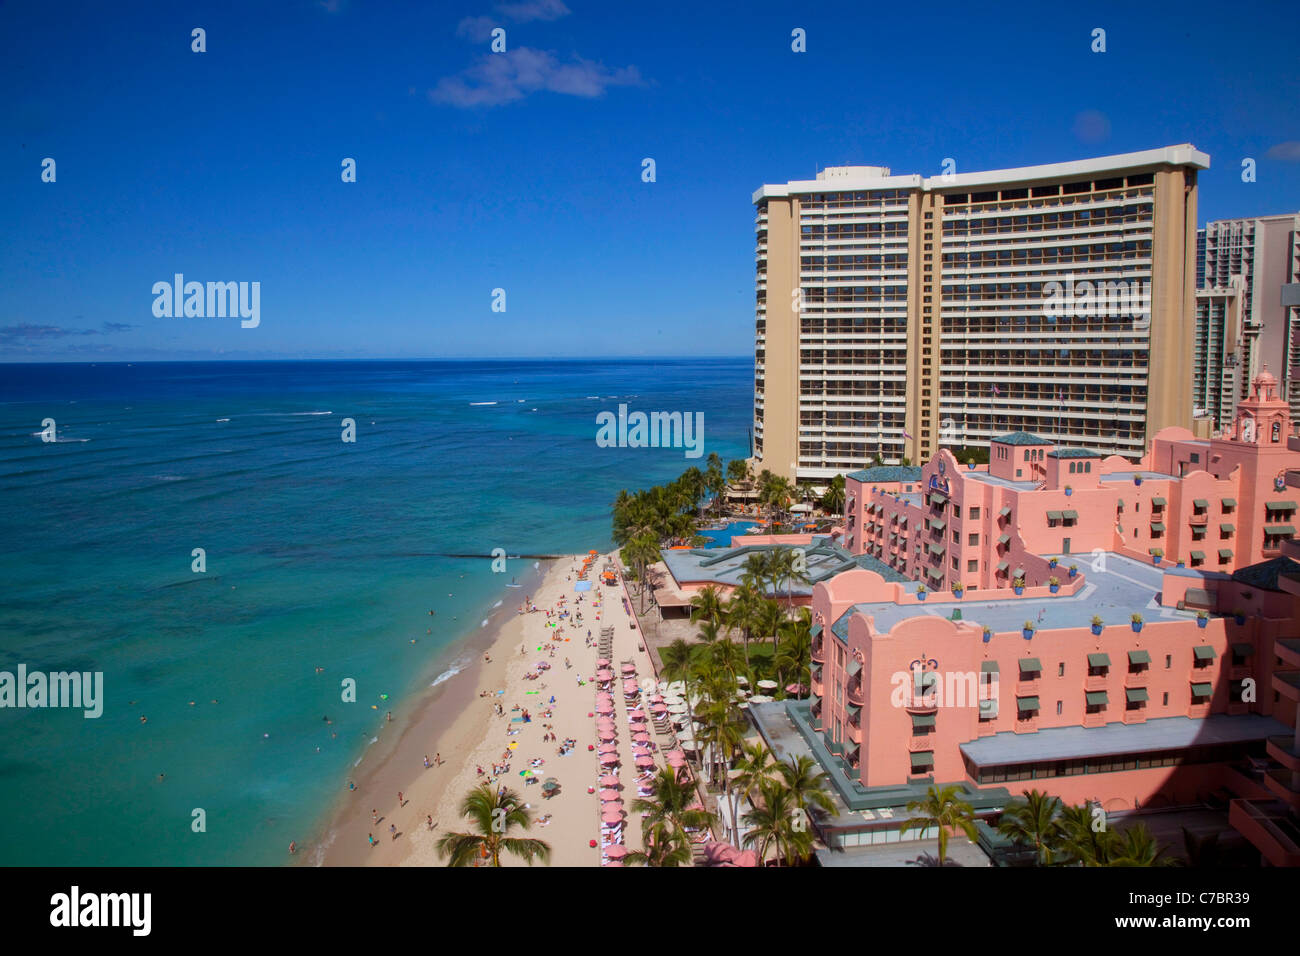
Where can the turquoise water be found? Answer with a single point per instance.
(319, 554)
(723, 536)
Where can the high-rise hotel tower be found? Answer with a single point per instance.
(900, 314)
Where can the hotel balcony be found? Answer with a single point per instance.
(1282, 748)
(854, 692)
(1140, 678)
(854, 733)
(1136, 716)
(1285, 785)
(920, 743)
(1095, 682)
(1288, 648)
(819, 652)
(1287, 683)
(1269, 829)
(1027, 688)
(1099, 719)
(1029, 726)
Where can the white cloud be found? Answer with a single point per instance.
(497, 78)
(1288, 152)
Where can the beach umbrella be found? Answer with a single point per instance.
(604, 675)
(608, 747)
(658, 709)
(676, 758)
(656, 698)
(607, 796)
(609, 780)
(603, 662)
(671, 699)
(641, 737)
(760, 699)
(616, 852)
(743, 681)
(629, 668)
(612, 817)
(645, 760)
(636, 714)
(605, 709)
(607, 734)
(612, 862)
(767, 685)
(795, 689)
(609, 759)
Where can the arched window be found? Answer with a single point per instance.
(1277, 431)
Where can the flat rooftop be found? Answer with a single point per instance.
(985, 477)
(1128, 476)
(1164, 733)
(1125, 587)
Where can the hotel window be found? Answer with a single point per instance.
(974, 512)
(973, 565)
(1060, 669)
(1058, 708)
(1165, 701)
(972, 539)
(1169, 661)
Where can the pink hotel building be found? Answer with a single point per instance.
(1155, 664)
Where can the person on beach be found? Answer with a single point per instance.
(431, 821)
(374, 815)
(392, 828)
(426, 761)
(371, 838)
(293, 847)
(437, 759)
(399, 799)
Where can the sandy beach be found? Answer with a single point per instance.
(460, 722)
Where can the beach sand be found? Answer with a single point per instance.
(465, 729)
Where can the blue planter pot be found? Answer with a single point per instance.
(958, 594)
(1019, 590)
(1136, 625)
(1155, 559)
(1096, 629)
(1053, 588)
(1202, 621)
(970, 466)
(1074, 572)
(921, 595)
(1240, 620)
(1068, 492)
(1027, 633)
(987, 637)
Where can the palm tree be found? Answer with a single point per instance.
(662, 845)
(1135, 846)
(1076, 841)
(806, 784)
(804, 492)
(493, 814)
(669, 805)
(708, 602)
(833, 498)
(771, 616)
(786, 565)
(743, 613)
(795, 656)
(943, 809)
(641, 552)
(1033, 821)
(772, 824)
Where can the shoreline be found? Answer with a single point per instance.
(456, 720)
(383, 767)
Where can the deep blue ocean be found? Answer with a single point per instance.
(319, 553)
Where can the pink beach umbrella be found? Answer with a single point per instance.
(616, 852)
(607, 735)
(609, 759)
(636, 715)
(608, 747)
(645, 760)
(603, 662)
(609, 780)
(676, 757)
(629, 668)
(612, 817)
(603, 675)
(609, 796)
(641, 737)
(602, 722)
(618, 863)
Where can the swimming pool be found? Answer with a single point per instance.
(722, 537)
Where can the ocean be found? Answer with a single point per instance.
(220, 741)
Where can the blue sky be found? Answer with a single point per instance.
(522, 170)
